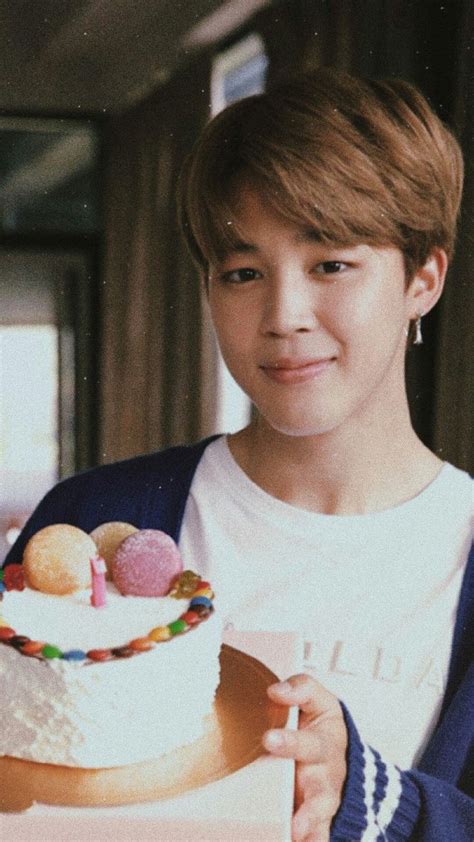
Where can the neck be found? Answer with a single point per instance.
(354, 469)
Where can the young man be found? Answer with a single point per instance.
(322, 217)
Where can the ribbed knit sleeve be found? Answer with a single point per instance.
(381, 803)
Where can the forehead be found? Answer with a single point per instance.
(247, 208)
(254, 218)
(253, 207)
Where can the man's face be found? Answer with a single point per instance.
(315, 335)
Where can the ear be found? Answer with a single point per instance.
(427, 284)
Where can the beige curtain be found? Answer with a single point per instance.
(454, 394)
(152, 345)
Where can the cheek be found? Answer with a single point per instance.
(376, 312)
(232, 324)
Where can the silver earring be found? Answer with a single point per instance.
(418, 340)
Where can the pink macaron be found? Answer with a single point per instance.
(146, 564)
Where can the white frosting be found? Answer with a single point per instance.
(112, 713)
(72, 623)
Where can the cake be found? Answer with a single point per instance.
(93, 686)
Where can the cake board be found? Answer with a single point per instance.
(232, 792)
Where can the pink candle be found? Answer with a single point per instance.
(98, 570)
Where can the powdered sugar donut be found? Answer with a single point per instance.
(107, 537)
(57, 559)
(146, 564)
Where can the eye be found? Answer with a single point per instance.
(331, 267)
(239, 276)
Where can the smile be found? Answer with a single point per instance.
(289, 371)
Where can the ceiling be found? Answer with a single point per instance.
(61, 58)
(96, 56)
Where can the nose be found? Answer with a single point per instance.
(289, 305)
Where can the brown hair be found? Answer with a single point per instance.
(358, 160)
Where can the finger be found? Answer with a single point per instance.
(305, 692)
(299, 745)
(311, 780)
(313, 820)
(320, 780)
(320, 834)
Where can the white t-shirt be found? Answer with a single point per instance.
(374, 596)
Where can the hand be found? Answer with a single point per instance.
(319, 748)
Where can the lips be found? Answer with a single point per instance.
(296, 370)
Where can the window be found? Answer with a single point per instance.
(48, 173)
(49, 224)
(43, 374)
(28, 419)
(237, 72)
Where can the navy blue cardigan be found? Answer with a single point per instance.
(432, 803)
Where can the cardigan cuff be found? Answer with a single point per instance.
(379, 802)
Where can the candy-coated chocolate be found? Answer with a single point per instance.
(200, 600)
(159, 633)
(3, 622)
(19, 640)
(14, 577)
(191, 618)
(6, 633)
(33, 647)
(99, 654)
(146, 564)
(204, 592)
(50, 651)
(123, 651)
(203, 584)
(203, 611)
(74, 655)
(178, 627)
(3, 587)
(1, 574)
(141, 644)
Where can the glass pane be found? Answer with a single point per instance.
(48, 176)
(238, 72)
(246, 79)
(28, 422)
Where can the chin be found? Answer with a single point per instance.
(301, 427)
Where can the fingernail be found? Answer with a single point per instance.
(283, 687)
(273, 739)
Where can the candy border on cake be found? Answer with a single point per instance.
(199, 609)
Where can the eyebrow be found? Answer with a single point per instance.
(309, 235)
(305, 235)
(242, 247)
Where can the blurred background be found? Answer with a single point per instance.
(106, 350)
